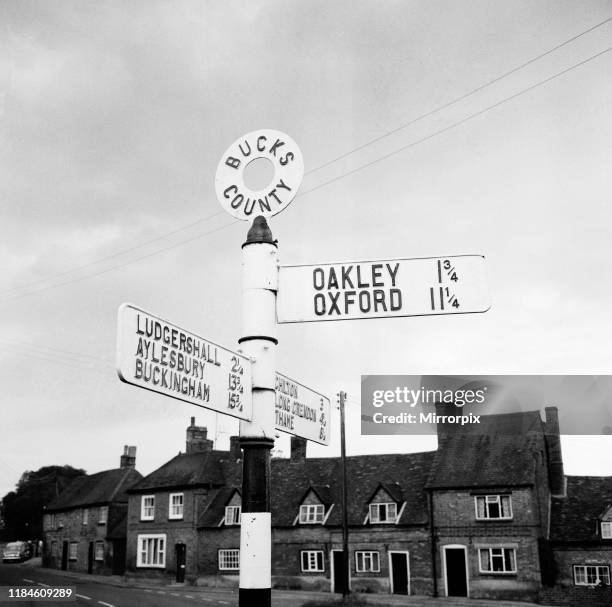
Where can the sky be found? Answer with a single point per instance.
(115, 115)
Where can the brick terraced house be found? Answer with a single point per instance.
(489, 514)
(85, 526)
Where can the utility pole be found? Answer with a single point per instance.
(259, 288)
(345, 551)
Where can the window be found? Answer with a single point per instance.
(175, 507)
(383, 513)
(54, 551)
(606, 530)
(312, 560)
(147, 508)
(102, 515)
(151, 550)
(591, 575)
(99, 553)
(367, 561)
(72, 551)
(60, 522)
(232, 515)
(311, 514)
(229, 559)
(85, 516)
(497, 560)
(493, 507)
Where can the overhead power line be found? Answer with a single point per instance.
(116, 267)
(458, 99)
(455, 124)
(113, 256)
(341, 176)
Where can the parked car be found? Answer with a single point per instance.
(16, 552)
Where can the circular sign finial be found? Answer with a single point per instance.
(236, 197)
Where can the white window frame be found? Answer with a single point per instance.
(175, 511)
(232, 515)
(314, 561)
(367, 561)
(490, 550)
(102, 515)
(157, 559)
(606, 530)
(99, 551)
(85, 517)
(145, 515)
(73, 551)
(227, 557)
(598, 577)
(312, 514)
(375, 510)
(493, 499)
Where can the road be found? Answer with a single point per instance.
(95, 594)
(102, 591)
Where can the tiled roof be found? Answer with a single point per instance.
(214, 511)
(497, 452)
(291, 479)
(118, 530)
(212, 468)
(574, 518)
(101, 488)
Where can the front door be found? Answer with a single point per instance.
(118, 557)
(456, 572)
(65, 556)
(181, 562)
(339, 582)
(399, 572)
(90, 557)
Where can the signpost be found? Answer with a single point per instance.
(159, 356)
(378, 289)
(301, 411)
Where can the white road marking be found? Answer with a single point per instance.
(160, 592)
(106, 604)
(188, 596)
(82, 596)
(205, 599)
(174, 594)
(223, 603)
(25, 579)
(42, 584)
(148, 590)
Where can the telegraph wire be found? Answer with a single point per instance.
(118, 254)
(49, 350)
(122, 265)
(457, 99)
(340, 157)
(454, 124)
(328, 182)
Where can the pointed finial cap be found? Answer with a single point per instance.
(260, 232)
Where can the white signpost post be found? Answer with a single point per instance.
(159, 356)
(378, 289)
(301, 411)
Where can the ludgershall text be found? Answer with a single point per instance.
(171, 359)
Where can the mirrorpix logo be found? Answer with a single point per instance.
(401, 408)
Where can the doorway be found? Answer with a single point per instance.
(338, 572)
(64, 556)
(181, 562)
(455, 570)
(90, 557)
(399, 572)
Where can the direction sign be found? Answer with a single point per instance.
(301, 411)
(159, 356)
(378, 289)
(236, 197)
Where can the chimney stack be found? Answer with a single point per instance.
(128, 459)
(196, 439)
(298, 449)
(556, 476)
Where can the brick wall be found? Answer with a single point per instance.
(177, 531)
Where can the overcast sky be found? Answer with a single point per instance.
(114, 115)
